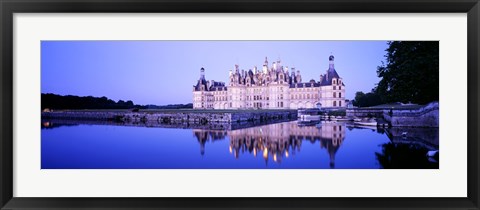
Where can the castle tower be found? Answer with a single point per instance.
(236, 69)
(265, 66)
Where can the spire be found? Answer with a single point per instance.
(202, 73)
(331, 62)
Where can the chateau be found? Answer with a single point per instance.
(272, 87)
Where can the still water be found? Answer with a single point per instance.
(285, 145)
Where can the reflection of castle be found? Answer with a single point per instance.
(278, 141)
(204, 136)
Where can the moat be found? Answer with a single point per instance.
(68, 144)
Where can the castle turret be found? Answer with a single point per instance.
(299, 77)
(331, 62)
(294, 78)
(265, 66)
(236, 68)
(202, 74)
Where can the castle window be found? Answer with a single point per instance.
(339, 103)
(339, 87)
(339, 95)
(334, 87)
(334, 95)
(334, 103)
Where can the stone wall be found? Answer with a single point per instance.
(363, 113)
(427, 116)
(173, 117)
(81, 115)
(51, 123)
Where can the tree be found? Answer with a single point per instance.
(366, 100)
(411, 73)
(53, 101)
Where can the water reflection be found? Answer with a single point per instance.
(277, 141)
(326, 144)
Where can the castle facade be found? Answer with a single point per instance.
(272, 87)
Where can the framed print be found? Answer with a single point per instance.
(239, 105)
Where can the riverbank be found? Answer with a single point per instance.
(173, 116)
(400, 116)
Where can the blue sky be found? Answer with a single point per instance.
(163, 72)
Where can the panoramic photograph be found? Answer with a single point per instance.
(240, 104)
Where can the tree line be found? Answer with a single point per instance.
(410, 74)
(54, 101)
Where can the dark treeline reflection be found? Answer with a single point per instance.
(277, 141)
(405, 156)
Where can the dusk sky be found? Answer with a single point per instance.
(163, 72)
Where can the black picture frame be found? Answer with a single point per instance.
(9, 7)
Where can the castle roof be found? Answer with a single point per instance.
(218, 86)
(327, 78)
(200, 83)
